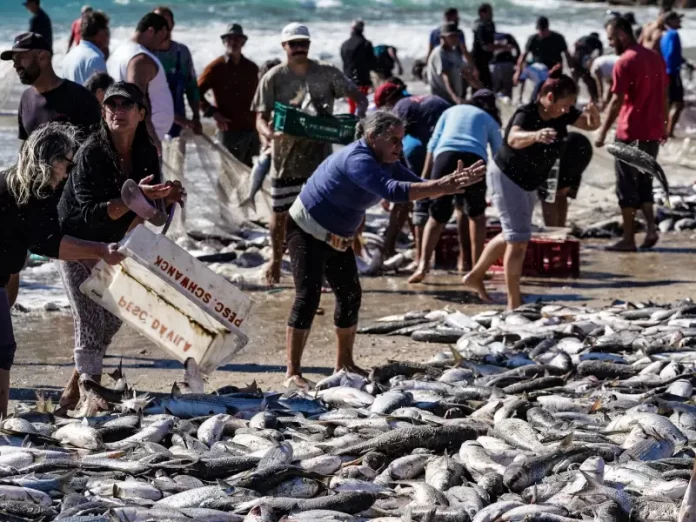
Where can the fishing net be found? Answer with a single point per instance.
(215, 182)
(10, 89)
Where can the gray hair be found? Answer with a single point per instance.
(377, 123)
(34, 170)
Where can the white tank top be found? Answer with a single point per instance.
(158, 92)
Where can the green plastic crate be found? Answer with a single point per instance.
(328, 129)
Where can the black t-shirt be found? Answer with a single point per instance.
(549, 50)
(588, 44)
(529, 167)
(358, 59)
(31, 227)
(506, 56)
(41, 23)
(484, 34)
(69, 102)
(94, 180)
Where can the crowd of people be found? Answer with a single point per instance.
(104, 119)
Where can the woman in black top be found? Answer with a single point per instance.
(531, 145)
(92, 208)
(29, 222)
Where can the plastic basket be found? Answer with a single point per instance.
(550, 258)
(173, 299)
(338, 129)
(544, 257)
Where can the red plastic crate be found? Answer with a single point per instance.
(544, 257)
(550, 258)
(447, 249)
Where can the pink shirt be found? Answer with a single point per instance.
(640, 79)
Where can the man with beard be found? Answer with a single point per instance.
(49, 98)
(639, 101)
(303, 83)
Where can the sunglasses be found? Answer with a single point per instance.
(298, 44)
(125, 105)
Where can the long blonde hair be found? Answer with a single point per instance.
(34, 170)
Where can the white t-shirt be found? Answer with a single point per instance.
(161, 102)
(605, 65)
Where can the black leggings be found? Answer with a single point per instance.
(311, 260)
(7, 340)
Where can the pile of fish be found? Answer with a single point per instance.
(678, 215)
(544, 414)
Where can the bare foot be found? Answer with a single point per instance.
(417, 277)
(273, 274)
(463, 268)
(650, 241)
(298, 382)
(476, 286)
(622, 246)
(412, 266)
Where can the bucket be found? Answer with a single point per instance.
(173, 299)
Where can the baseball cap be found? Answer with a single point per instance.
(294, 31)
(26, 42)
(234, 30)
(386, 92)
(448, 28)
(673, 15)
(126, 90)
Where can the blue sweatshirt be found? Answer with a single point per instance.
(349, 182)
(671, 49)
(465, 128)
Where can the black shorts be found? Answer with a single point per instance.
(472, 201)
(633, 187)
(576, 156)
(420, 212)
(676, 89)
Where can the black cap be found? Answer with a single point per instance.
(449, 28)
(673, 15)
(126, 90)
(630, 17)
(542, 23)
(234, 30)
(484, 93)
(26, 42)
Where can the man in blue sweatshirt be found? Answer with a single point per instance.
(671, 49)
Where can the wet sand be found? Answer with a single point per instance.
(45, 343)
(667, 273)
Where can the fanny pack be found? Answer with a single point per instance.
(307, 223)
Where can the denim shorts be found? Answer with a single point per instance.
(514, 204)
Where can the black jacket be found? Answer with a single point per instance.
(358, 59)
(96, 179)
(31, 227)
